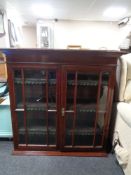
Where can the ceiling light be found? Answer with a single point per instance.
(42, 10)
(115, 12)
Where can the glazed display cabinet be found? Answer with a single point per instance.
(61, 100)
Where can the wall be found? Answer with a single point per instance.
(29, 37)
(92, 35)
(4, 40)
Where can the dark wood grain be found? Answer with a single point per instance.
(94, 57)
(58, 153)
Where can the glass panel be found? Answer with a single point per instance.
(69, 107)
(84, 128)
(40, 89)
(35, 89)
(70, 91)
(40, 94)
(52, 90)
(102, 108)
(40, 129)
(52, 128)
(104, 91)
(52, 97)
(87, 88)
(69, 126)
(21, 128)
(81, 102)
(86, 100)
(18, 88)
(36, 124)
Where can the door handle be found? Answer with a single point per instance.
(62, 112)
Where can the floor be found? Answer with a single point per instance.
(55, 165)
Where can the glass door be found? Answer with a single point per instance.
(85, 101)
(36, 102)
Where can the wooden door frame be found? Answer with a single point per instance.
(93, 69)
(11, 68)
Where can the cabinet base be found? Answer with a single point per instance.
(58, 153)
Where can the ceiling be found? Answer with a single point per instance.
(91, 10)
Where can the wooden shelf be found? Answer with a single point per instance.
(37, 107)
(34, 81)
(86, 82)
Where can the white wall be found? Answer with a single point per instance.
(92, 35)
(4, 40)
(29, 37)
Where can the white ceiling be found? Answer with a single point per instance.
(67, 9)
